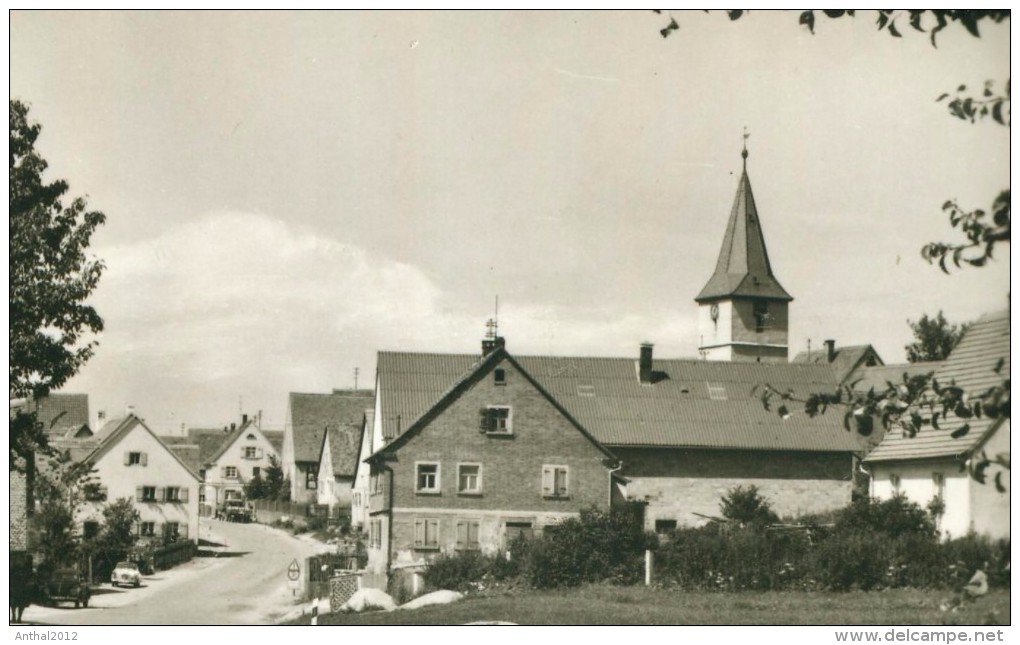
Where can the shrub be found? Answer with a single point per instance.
(891, 517)
(458, 571)
(747, 506)
(594, 547)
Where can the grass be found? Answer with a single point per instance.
(606, 605)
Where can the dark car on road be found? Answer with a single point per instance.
(68, 585)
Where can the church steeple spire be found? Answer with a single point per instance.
(743, 267)
(743, 308)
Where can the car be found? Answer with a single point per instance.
(66, 584)
(126, 573)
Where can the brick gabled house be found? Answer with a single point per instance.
(492, 455)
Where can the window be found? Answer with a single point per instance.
(894, 481)
(175, 494)
(499, 376)
(145, 494)
(426, 477)
(135, 459)
(374, 484)
(469, 479)
(665, 526)
(496, 419)
(426, 534)
(311, 479)
(172, 530)
(555, 481)
(250, 437)
(94, 492)
(375, 534)
(147, 529)
(201, 493)
(467, 534)
(256, 472)
(716, 391)
(518, 529)
(938, 481)
(90, 530)
(230, 472)
(251, 452)
(761, 315)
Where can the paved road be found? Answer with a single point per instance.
(245, 585)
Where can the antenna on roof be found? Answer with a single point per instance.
(493, 324)
(355, 378)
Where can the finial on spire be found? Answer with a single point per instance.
(744, 152)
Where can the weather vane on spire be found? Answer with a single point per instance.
(744, 152)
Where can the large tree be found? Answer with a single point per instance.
(51, 277)
(934, 338)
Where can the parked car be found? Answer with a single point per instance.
(66, 584)
(126, 573)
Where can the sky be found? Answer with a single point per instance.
(289, 193)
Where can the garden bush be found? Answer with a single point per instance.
(457, 571)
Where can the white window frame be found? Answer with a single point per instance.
(477, 490)
(143, 525)
(491, 420)
(549, 490)
(227, 470)
(434, 490)
(148, 499)
(250, 452)
(172, 494)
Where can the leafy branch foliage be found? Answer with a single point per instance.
(50, 279)
(887, 19)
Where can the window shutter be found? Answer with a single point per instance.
(472, 535)
(184, 494)
(223, 472)
(139, 493)
(145, 459)
(419, 532)
(160, 494)
(485, 424)
(462, 534)
(258, 453)
(547, 480)
(127, 458)
(561, 485)
(432, 532)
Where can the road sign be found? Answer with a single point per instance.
(294, 571)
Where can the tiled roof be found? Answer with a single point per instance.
(344, 443)
(845, 359)
(606, 398)
(971, 365)
(743, 268)
(311, 413)
(275, 439)
(99, 444)
(880, 376)
(60, 413)
(230, 438)
(189, 453)
(208, 440)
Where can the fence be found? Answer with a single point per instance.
(268, 511)
(322, 568)
(174, 554)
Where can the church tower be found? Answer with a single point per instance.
(743, 311)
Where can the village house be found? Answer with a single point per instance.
(242, 456)
(336, 469)
(131, 462)
(685, 431)
(360, 486)
(308, 416)
(929, 467)
(493, 456)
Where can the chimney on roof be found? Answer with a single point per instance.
(830, 350)
(130, 410)
(490, 344)
(101, 416)
(244, 419)
(645, 363)
(233, 426)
